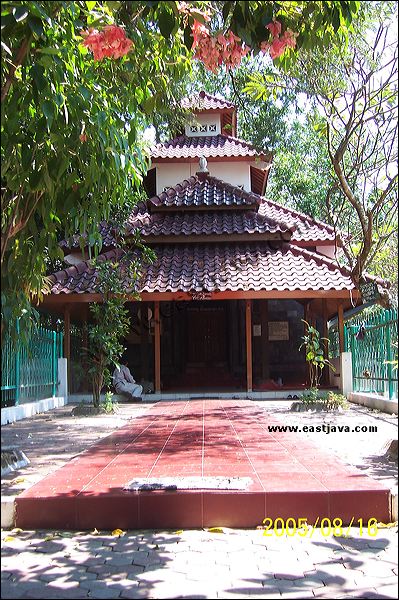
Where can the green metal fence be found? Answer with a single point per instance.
(373, 344)
(30, 372)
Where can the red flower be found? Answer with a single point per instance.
(214, 51)
(280, 42)
(275, 28)
(111, 42)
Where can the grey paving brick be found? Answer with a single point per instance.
(101, 570)
(11, 590)
(297, 594)
(152, 559)
(134, 593)
(63, 584)
(55, 594)
(105, 592)
(119, 560)
(289, 576)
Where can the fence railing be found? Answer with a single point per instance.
(30, 371)
(372, 340)
(373, 344)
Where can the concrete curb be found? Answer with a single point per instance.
(374, 401)
(7, 511)
(22, 411)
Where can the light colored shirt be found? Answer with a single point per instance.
(122, 375)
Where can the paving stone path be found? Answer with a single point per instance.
(198, 564)
(194, 564)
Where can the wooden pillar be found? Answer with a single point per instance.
(157, 348)
(144, 342)
(326, 371)
(67, 342)
(306, 314)
(248, 339)
(264, 318)
(85, 342)
(341, 328)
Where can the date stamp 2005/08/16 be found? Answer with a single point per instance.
(301, 527)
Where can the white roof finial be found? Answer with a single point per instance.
(203, 165)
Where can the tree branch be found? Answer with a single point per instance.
(22, 52)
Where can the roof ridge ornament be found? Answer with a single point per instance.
(203, 168)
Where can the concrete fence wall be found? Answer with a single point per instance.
(10, 414)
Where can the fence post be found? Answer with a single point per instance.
(17, 366)
(54, 362)
(351, 343)
(389, 358)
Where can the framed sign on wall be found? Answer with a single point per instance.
(278, 331)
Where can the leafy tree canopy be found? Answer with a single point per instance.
(74, 109)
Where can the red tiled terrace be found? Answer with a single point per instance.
(291, 477)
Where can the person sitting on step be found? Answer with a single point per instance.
(125, 384)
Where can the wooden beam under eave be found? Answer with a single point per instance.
(341, 327)
(250, 295)
(248, 340)
(298, 295)
(157, 347)
(52, 299)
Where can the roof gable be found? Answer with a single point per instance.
(203, 190)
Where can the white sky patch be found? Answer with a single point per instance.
(149, 136)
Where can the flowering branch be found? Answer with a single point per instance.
(111, 42)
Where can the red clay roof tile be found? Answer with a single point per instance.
(307, 229)
(205, 223)
(220, 267)
(205, 191)
(207, 146)
(204, 101)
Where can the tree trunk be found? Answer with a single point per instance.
(97, 385)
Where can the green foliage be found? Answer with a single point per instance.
(111, 323)
(117, 282)
(310, 397)
(331, 401)
(352, 89)
(314, 354)
(316, 23)
(335, 401)
(109, 405)
(72, 128)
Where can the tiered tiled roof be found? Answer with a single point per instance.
(206, 101)
(234, 215)
(204, 190)
(214, 146)
(205, 223)
(189, 226)
(213, 268)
